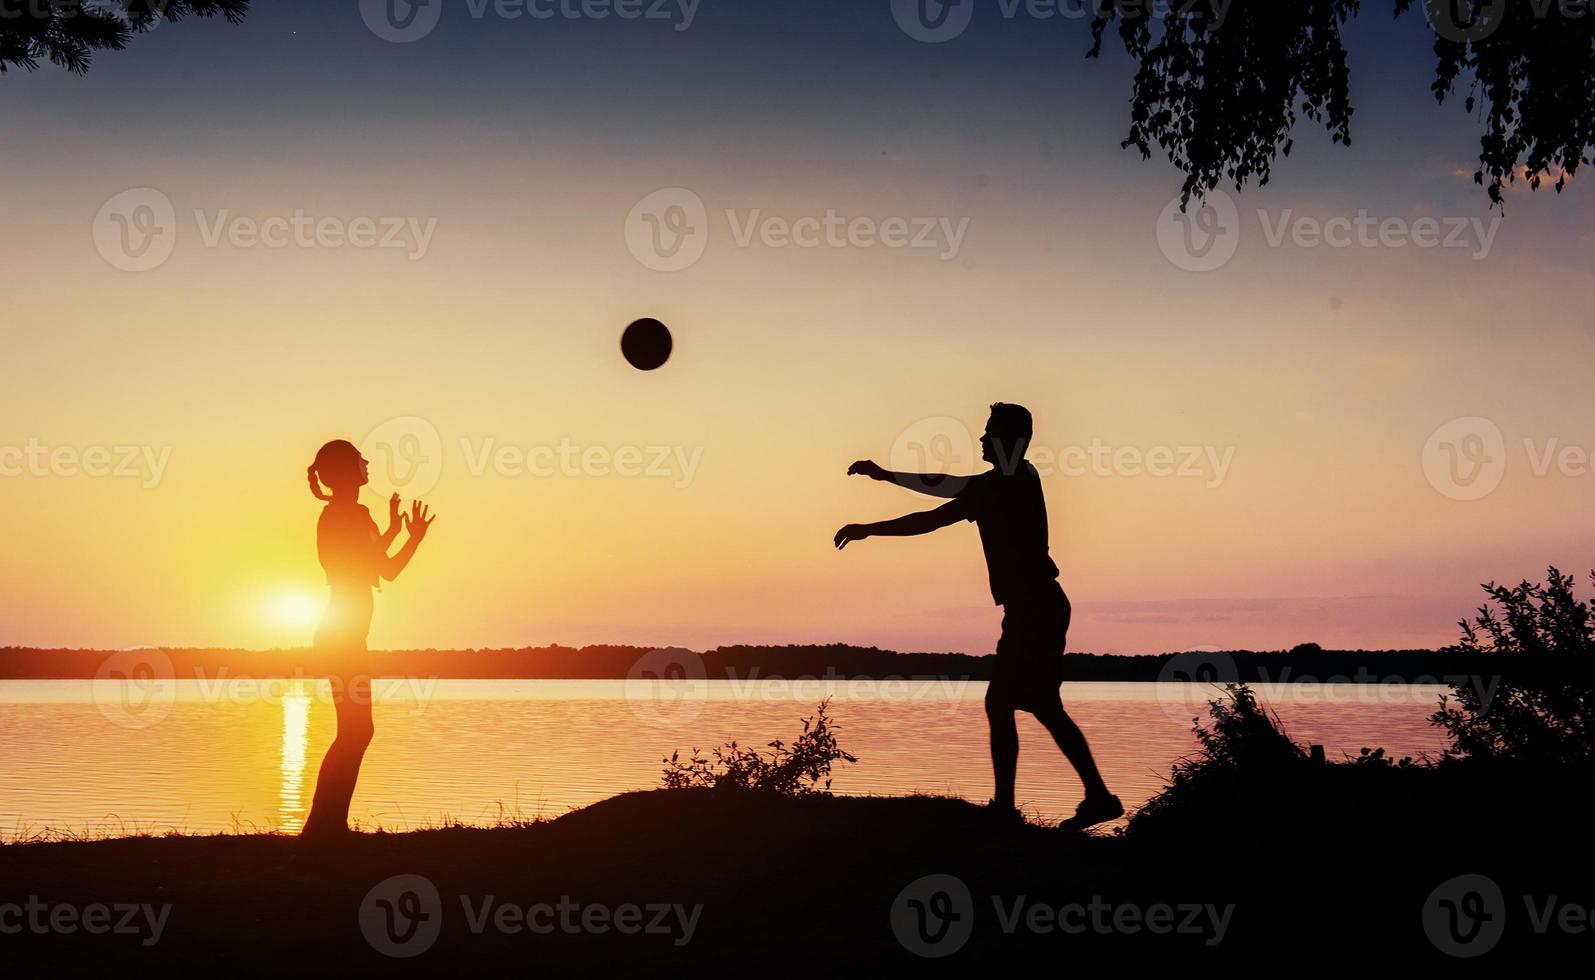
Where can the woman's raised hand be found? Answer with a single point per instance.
(419, 520)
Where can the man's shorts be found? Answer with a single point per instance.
(1029, 666)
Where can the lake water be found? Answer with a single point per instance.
(97, 757)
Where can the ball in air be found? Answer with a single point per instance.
(646, 344)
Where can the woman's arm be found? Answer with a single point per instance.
(395, 522)
(418, 523)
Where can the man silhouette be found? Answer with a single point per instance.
(1007, 506)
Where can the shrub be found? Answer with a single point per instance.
(1544, 721)
(801, 769)
(1533, 619)
(1243, 743)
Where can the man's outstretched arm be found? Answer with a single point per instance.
(923, 523)
(934, 484)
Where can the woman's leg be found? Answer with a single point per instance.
(329, 809)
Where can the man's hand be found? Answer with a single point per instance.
(852, 532)
(866, 467)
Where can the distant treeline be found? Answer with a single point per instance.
(1304, 664)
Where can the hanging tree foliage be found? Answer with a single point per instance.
(1221, 84)
(66, 33)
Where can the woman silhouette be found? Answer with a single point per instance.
(356, 559)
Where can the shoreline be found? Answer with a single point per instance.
(834, 662)
(732, 876)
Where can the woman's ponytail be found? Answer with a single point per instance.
(315, 484)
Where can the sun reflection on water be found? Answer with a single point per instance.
(295, 736)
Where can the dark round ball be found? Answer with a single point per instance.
(646, 344)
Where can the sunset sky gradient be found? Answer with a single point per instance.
(1321, 371)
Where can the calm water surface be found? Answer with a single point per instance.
(82, 756)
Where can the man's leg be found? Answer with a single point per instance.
(1072, 741)
(1004, 752)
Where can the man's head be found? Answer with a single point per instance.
(1007, 437)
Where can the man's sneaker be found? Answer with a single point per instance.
(1094, 810)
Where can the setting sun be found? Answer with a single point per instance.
(293, 610)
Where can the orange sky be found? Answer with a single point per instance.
(1315, 375)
